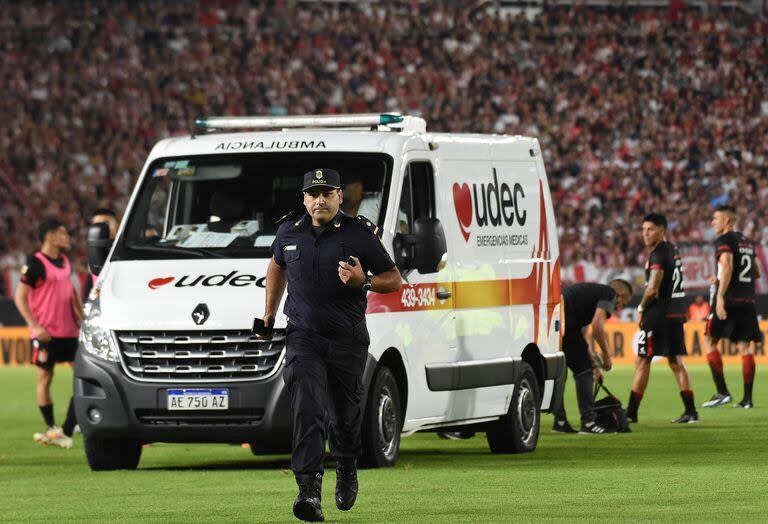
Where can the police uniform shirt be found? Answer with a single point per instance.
(583, 300)
(317, 298)
(741, 289)
(670, 301)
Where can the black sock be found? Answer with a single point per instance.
(716, 367)
(720, 382)
(634, 403)
(687, 397)
(748, 391)
(69, 423)
(47, 412)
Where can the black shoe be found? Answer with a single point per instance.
(346, 483)
(744, 404)
(687, 418)
(562, 426)
(592, 428)
(632, 418)
(718, 399)
(307, 505)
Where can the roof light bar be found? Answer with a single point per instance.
(267, 122)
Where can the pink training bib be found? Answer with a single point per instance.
(51, 303)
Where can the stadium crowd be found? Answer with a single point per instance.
(637, 110)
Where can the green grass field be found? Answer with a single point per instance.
(714, 471)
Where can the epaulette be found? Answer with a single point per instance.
(368, 225)
(288, 216)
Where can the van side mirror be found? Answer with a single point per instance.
(424, 249)
(98, 246)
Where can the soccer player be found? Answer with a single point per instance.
(733, 314)
(662, 312)
(48, 302)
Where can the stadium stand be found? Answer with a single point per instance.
(638, 108)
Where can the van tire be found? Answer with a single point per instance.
(382, 421)
(112, 454)
(518, 430)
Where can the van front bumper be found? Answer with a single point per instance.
(109, 404)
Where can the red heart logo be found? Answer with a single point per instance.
(462, 201)
(157, 282)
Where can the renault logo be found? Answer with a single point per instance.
(200, 314)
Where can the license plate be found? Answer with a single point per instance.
(194, 399)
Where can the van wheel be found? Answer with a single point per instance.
(382, 421)
(111, 454)
(518, 430)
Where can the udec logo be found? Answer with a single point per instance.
(231, 278)
(493, 204)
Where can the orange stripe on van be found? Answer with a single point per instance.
(469, 294)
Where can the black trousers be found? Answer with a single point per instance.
(324, 376)
(577, 358)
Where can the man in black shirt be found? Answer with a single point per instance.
(662, 310)
(585, 305)
(324, 257)
(733, 314)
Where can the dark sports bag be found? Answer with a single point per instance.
(609, 412)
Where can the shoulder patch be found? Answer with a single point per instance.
(367, 224)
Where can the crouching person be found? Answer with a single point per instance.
(587, 305)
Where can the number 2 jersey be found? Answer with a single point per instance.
(741, 289)
(670, 301)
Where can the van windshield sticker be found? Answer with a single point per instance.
(263, 240)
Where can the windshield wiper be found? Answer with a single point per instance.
(201, 252)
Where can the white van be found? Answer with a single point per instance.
(471, 342)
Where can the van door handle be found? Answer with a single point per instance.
(443, 295)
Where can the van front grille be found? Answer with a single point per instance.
(232, 417)
(199, 356)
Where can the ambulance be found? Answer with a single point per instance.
(472, 342)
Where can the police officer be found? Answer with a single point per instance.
(329, 261)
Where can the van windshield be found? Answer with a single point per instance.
(229, 205)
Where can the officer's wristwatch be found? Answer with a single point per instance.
(366, 285)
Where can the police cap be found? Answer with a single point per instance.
(321, 177)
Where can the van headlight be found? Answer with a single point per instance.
(94, 337)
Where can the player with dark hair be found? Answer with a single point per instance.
(733, 315)
(663, 313)
(48, 302)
